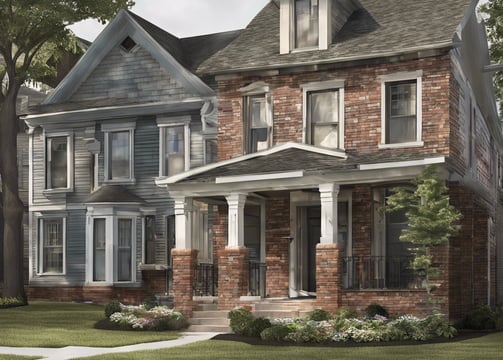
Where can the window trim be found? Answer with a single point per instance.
(144, 238)
(402, 76)
(112, 217)
(69, 161)
(334, 85)
(40, 247)
(107, 129)
(164, 123)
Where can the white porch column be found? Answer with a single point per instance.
(329, 227)
(183, 222)
(236, 217)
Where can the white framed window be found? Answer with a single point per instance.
(119, 152)
(174, 145)
(306, 23)
(324, 114)
(59, 162)
(210, 150)
(111, 244)
(257, 117)
(52, 246)
(401, 110)
(149, 230)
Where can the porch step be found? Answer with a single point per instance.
(209, 320)
(283, 308)
(276, 313)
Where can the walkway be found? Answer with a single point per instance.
(72, 352)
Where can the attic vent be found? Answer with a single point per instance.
(128, 44)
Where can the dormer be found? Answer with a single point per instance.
(311, 24)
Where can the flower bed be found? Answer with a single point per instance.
(342, 328)
(143, 317)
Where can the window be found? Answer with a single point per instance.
(401, 110)
(119, 153)
(210, 151)
(149, 239)
(257, 124)
(306, 23)
(59, 162)
(52, 246)
(111, 246)
(324, 114)
(174, 144)
(128, 44)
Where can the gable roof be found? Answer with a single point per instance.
(381, 28)
(169, 51)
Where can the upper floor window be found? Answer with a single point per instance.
(174, 150)
(324, 114)
(306, 23)
(119, 152)
(59, 156)
(52, 235)
(210, 151)
(257, 117)
(401, 109)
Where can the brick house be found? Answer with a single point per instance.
(314, 112)
(323, 107)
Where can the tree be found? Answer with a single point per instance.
(29, 29)
(494, 11)
(431, 219)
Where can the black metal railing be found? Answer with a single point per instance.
(379, 272)
(257, 278)
(205, 280)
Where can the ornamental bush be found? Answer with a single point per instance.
(112, 307)
(258, 325)
(240, 320)
(318, 315)
(276, 333)
(376, 309)
(8, 302)
(481, 317)
(159, 318)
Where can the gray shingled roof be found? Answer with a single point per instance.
(383, 27)
(294, 159)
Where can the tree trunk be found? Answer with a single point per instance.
(12, 205)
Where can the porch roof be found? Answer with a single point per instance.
(296, 165)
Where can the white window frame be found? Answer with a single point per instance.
(40, 247)
(144, 238)
(287, 27)
(69, 161)
(403, 76)
(206, 139)
(111, 217)
(119, 127)
(335, 85)
(165, 122)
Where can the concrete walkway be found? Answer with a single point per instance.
(72, 352)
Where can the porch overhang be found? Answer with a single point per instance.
(293, 166)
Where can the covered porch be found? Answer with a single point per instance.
(294, 221)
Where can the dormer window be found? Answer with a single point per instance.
(306, 23)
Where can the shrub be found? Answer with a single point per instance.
(8, 302)
(240, 320)
(347, 313)
(112, 307)
(480, 318)
(376, 309)
(158, 318)
(276, 333)
(309, 332)
(437, 325)
(150, 302)
(318, 315)
(258, 325)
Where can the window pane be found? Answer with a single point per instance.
(119, 152)
(401, 122)
(124, 244)
(326, 136)
(306, 23)
(174, 151)
(324, 118)
(149, 239)
(57, 163)
(257, 124)
(211, 151)
(52, 246)
(99, 244)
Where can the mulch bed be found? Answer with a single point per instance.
(462, 335)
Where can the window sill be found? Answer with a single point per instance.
(49, 192)
(153, 267)
(401, 145)
(120, 182)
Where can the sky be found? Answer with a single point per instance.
(186, 17)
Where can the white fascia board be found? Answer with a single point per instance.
(246, 178)
(401, 164)
(289, 145)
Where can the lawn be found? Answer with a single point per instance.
(485, 347)
(44, 324)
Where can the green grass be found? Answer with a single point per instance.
(13, 357)
(43, 324)
(485, 347)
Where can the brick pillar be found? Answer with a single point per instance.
(184, 263)
(233, 274)
(328, 276)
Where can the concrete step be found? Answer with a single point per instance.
(207, 307)
(276, 313)
(210, 314)
(209, 328)
(209, 321)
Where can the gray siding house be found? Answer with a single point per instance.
(130, 111)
